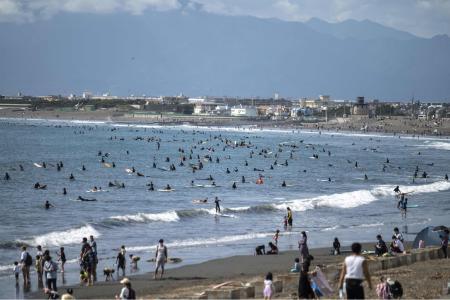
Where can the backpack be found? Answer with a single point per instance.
(28, 260)
(131, 294)
(396, 290)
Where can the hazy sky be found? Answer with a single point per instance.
(421, 17)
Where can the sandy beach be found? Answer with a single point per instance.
(390, 125)
(420, 280)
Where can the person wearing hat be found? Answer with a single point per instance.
(127, 292)
(161, 257)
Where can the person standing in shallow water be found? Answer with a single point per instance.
(289, 216)
(354, 271)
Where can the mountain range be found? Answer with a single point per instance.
(198, 53)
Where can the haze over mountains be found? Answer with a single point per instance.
(196, 53)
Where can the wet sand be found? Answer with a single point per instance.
(420, 280)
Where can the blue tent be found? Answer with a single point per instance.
(429, 236)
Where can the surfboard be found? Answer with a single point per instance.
(107, 165)
(128, 170)
(224, 215)
(37, 165)
(163, 169)
(164, 190)
(413, 206)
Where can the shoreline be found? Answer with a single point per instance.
(393, 127)
(419, 280)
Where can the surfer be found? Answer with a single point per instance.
(424, 174)
(234, 185)
(446, 177)
(168, 187)
(71, 177)
(21, 167)
(397, 189)
(283, 184)
(7, 177)
(64, 191)
(216, 202)
(48, 205)
(151, 187)
(228, 171)
(365, 177)
(243, 179)
(83, 168)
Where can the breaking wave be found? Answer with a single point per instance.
(59, 238)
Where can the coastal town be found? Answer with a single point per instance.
(321, 112)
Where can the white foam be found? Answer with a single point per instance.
(60, 238)
(7, 268)
(436, 145)
(368, 225)
(207, 241)
(242, 208)
(359, 197)
(170, 216)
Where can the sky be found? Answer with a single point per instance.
(424, 18)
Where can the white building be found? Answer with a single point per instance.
(244, 111)
(196, 100)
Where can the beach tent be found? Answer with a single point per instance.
(429, 236)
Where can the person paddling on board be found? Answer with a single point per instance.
(216, 202)
(283, 184)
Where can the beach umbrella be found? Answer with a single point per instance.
(429, 236)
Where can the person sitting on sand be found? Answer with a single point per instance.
(396, 246)
(273, 249)
(296, 267)
(380, 246)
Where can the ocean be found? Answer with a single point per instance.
(328, 195)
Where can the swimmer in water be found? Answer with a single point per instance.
(48, 205)
(234, 185)
(64, 191)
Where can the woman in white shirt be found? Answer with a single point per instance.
(354, 271)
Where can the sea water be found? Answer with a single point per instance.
(347, 207)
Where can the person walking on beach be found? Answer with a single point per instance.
(26, 261)
(62, 258)
(50, 271)
(93, 245)
(303, 246)
(354, 271)
(216, 201)
(337, 246)
(444, 243)
(268, 287)
(161, 258)
(121, 260)
(289, 216)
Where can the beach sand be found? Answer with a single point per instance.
(420, 280)
(387, 125)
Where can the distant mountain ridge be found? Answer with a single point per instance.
(360, 30)
(165, 53)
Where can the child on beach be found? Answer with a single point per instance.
(296, 267)
(276, 236)
(285, 222)
(268, 287)
(17, 270)
(62, 258)
(382, 289)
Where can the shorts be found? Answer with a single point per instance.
(160, 262)
(354, 288)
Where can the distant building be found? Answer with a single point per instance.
(244, 111)
(360, 108)
(87, 95)
(196, 100)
